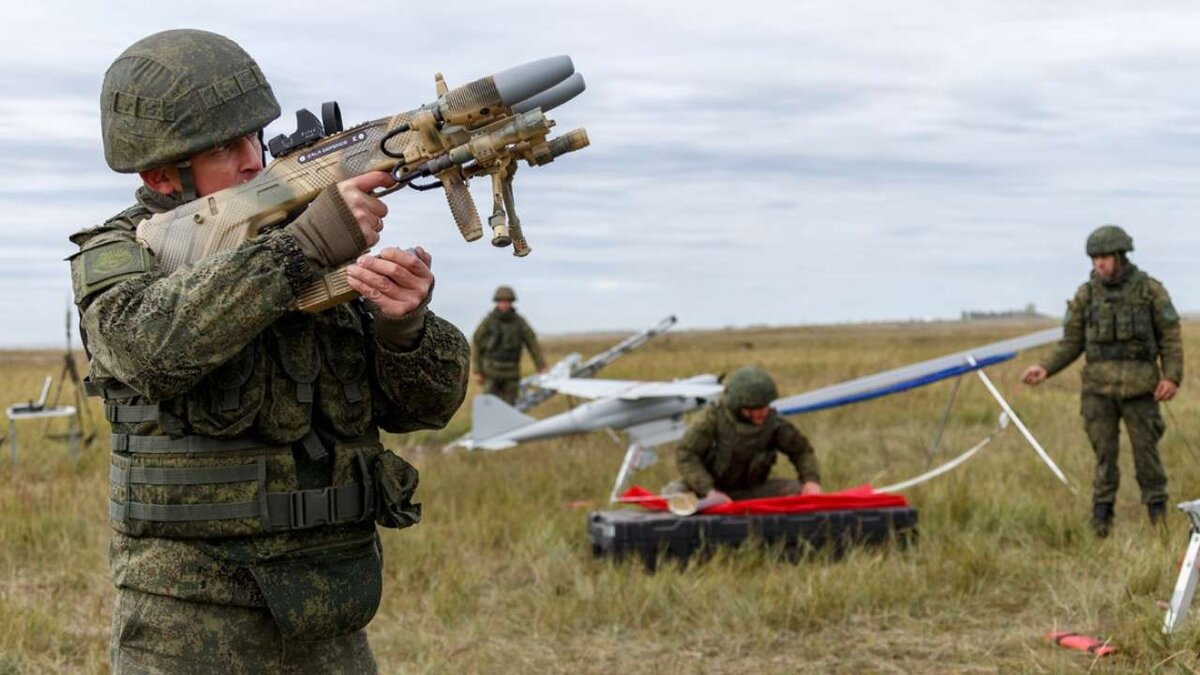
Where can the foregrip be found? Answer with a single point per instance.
(462, 206)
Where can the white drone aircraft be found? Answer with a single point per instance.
(651, 413)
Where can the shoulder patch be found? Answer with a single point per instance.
(1168, 313)
(1161, 299)
(97, 268)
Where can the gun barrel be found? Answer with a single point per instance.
(519, 128)
(554, 96)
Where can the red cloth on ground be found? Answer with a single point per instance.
(860, 497)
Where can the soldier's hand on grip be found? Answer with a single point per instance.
(396, 280)
(367, 209)
(328, 231)
(343, 221)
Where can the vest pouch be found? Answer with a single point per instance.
(1143, 323)
(760, 466)
(344, 394)
(326, 593)
(296, 346)
(395, 483)
(228, 399)
(756, 443)
(1101, 325)
(287, 411)
(1123, 315)
(507, 340)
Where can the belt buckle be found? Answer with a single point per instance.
(313, 507)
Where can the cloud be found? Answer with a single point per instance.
(750, 163)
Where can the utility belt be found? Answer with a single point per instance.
(502, 369)
(205, 487)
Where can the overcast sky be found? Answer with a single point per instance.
(780, 163)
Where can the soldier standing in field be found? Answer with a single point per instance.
(498, 342)
(247, 476)
(730, 449)
(1123, 321)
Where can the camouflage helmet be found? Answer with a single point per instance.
(749, 387)
(178, 93)
(1108, 239)
(505, 293)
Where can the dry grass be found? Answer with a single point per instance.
(499, 577)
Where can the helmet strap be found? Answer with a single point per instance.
(187, 181)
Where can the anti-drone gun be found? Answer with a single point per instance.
(481, 128)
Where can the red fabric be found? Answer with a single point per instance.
(861, 497)
(1084, 643)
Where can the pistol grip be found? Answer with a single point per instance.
(462, 206)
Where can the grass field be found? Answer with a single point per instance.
(499, 577)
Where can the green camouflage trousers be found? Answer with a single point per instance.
(774, 487)
(159, 634)
(506, 389)
(1101, 418)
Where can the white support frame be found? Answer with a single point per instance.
(632, 455)
(1012, 416)
(1185, 585)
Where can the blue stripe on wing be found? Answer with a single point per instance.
(897, 387)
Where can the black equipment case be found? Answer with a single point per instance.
(617, 534)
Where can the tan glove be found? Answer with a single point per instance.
(327, 231)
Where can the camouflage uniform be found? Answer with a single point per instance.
(735, 456)
(247, 476)
(1129, 332)
(497, 347)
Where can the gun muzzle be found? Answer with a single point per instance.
(483, 99)
(554, 96)
(568, 142)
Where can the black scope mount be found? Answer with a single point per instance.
(308, 129)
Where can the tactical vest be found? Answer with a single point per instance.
(503, 339)
(1120, 324)
(742, 453)
(278, 438)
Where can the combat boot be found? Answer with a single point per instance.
(1102, 517)
(1157, 512)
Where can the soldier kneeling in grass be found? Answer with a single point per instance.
(730, 449)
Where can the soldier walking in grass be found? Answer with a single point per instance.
(498, 342)
(247, 474)
(1124, 324)
(730, 449)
